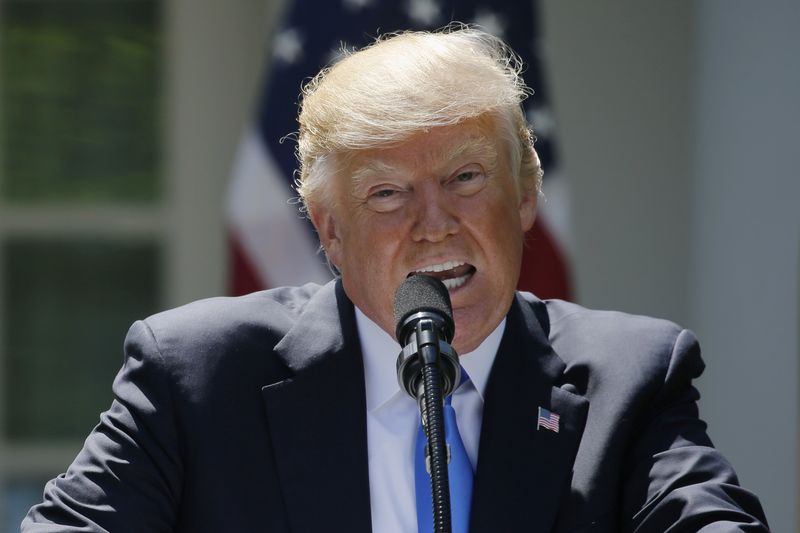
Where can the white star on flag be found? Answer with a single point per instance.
(425, 12)
(288, 46)
(491, 22)
(356, 5)
(541, 120)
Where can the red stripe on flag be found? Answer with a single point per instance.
(544, 270)
(242, 278)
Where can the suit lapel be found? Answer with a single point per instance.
(317, 419)
(522, 472)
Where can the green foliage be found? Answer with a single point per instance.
(68, 303)
(80, 100)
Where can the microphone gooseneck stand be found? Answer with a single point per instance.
(432, 410)
(428, 370)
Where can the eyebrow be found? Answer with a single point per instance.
(371, 168)
(476, 146)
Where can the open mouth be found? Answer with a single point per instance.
(453, 274)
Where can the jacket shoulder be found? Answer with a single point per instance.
(566, 317)
(612, 343)
(222, 335)
(271, 312)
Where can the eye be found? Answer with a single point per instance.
(467, 181)
(384, 199)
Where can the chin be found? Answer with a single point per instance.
(465, 344)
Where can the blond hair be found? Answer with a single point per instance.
(409, 82)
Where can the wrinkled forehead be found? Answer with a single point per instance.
(427, 151)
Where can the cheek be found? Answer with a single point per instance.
(502, 232)
(371, 245)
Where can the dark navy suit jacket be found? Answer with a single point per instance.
(248, 414)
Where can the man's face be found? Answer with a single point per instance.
(445, 204)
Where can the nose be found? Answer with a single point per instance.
(434, 217)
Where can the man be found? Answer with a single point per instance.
(280, 411)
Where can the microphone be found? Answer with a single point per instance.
(424, 328)
(428, 370)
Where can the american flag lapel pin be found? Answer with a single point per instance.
(547, 420)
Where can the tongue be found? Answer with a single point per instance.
(456, 272)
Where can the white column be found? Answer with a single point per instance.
(746, 239)
(215, 59)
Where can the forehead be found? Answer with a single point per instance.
(429, 151)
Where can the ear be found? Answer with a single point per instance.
(324, 221)
(527, 210)
(530, 193)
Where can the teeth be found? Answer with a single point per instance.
(454, 283)
(447, 265)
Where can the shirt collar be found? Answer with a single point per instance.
(380, 353)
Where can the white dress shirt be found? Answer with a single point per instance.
(393, 420)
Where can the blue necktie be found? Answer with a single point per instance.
(459, 472)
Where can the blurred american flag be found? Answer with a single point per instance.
(271, 242)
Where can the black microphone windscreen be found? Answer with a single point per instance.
(421, 293)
